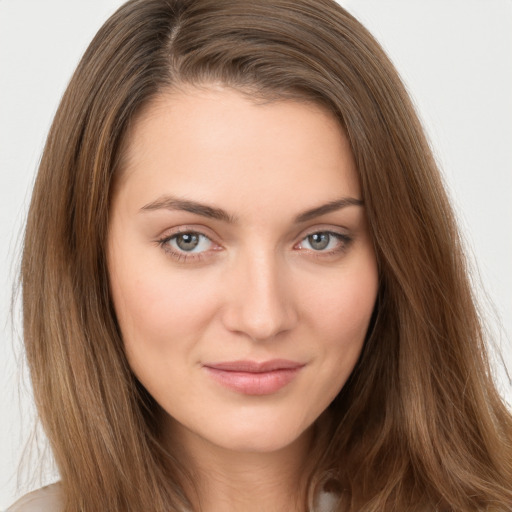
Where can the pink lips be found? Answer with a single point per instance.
(254, 378)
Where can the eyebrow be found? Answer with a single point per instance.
(332, 206)
(175, 203)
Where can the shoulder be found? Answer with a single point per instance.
(49, 499)
(326, 502)
(46, 499)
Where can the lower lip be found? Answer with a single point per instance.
(254, 383)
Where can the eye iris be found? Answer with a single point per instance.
(187, 241)
(319, 241)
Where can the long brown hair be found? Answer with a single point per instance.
(419, 425)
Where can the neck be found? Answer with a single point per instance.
(229, 481)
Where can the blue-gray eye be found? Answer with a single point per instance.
(324, 241)
(190, 242)
(319, 241)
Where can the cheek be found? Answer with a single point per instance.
(343, 306)
(340, 316)
(159, 311)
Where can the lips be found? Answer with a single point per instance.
(252, 377)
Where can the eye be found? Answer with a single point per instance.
(187, 242)
(325, 241)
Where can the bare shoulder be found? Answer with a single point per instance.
(46, 499)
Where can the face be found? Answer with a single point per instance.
(241, 268)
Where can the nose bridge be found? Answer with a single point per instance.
(262, 306)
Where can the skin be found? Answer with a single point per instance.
(257, 287)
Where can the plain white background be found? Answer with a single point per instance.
(455, 57)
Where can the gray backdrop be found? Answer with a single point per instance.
(454, 55)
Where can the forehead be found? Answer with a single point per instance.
(219, 144)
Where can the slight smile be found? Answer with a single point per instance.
(254, 378)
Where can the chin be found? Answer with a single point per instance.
(260, 437)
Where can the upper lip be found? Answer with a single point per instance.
(255, 366)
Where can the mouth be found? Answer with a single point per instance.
(252, 377)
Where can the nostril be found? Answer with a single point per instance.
(260, 320)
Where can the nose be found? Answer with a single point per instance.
(260, 302)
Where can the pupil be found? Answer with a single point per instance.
(319, 240)
(187, 241)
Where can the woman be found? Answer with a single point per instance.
(243, 287)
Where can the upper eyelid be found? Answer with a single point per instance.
(324, 229)
(340, 231)
(202, 230)
(328, 231)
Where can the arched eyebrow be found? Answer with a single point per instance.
(212, 212)
(329, 207)
(176, 203)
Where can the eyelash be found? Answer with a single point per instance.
(343, 239)
(183, 256)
